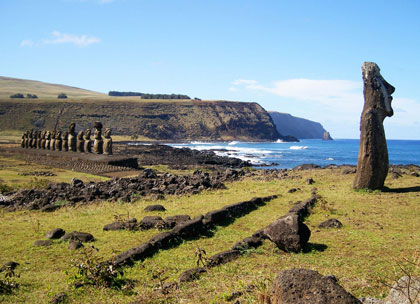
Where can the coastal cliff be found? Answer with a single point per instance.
(157, 120)
(301, 128)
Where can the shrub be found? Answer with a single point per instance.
(62, 96)
(33, 96)
(17, 95)
(7, 280)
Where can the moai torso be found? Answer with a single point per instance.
(23, 140)
(72, 138)
(43, 139)
(80, 142)
(98, 142)
(27, 140)
(58, 141)
(39, 134)
(372, 162)
(65, 138)
(31, 139)
(107, 141)
(52, 143)
(48, 141)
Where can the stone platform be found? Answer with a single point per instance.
(81, 162)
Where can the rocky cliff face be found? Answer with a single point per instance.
(175, 120)
(298, 127)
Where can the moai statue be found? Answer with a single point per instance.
(58, 141)
(88, 142)
(48, 140)
(31, 139)
(35, 140)
(43, 139)
(23, 140)
(107, 141)
(80, 146)
(52, 143)
(39, 139)
(98, 144)
(372, 163)
(27, 139)
(65, 138)
(72, 137)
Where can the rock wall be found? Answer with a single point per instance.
(176, 121)
(300, 128)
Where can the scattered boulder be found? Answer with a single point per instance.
(9, 265)
(55, 233)
(310, 181)
(191, 274)
(40, 243)
(289, 233)
(149, 222)
(50, 208)
(74, 244)
(405, 291)
(330, 223)
(292, 190)
(155, 208)
(130, 224)
(223, 257)
(348, 171)
(75, 182)
(78, 236)
(191, 228)
(304, 286)
(247, 243)
(172, 221)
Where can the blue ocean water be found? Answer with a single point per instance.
(314, 151)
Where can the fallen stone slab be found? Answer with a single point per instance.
(302, 209)
(130, 224)
(191, 228)
(247, 243)
(134, 254)
(191, 274)
(78, 236)
(154, 208)
(42, 243)
(289, 233)
(172, 221)
(74, 245)
(223, 257)
(149, 222)
(55, 233)
(304, 286)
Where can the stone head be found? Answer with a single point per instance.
(53, 134)
(65, 135)
(58, 135)
(107, 133)
(72, 126)
(97, 125)
(88, 133)
(48, 135)
(380, 89)
(80, 135)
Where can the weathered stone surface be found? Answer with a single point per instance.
(372, 162)
(190, 228)
(163, 240)
(289, 233)
(330, 223)
(134, 254)
(247, 243)
(302, 208)
(172, 221)
(79, 236)
(155, 208)
(130, 224)
(368, 300)
(107, 142)
(88, 142)
(223, 257)
(72, 138)
(149, 222)
(98, 143)
(405, 291)
(80, 142)
(304, 286)
(74, 245)
(55, 233)
(41, 243)
(191, 274)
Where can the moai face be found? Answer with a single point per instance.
(80, 135)
(87, 134)
(72, 127)
(107, 133)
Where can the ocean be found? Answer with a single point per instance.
(307, 151)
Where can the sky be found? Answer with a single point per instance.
(299, 57)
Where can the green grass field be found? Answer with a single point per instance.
(379, 229)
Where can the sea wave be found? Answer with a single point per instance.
(298, 147)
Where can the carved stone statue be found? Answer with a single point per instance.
(72, 137)
(31, 139)
(107, 141)
(58, 141)
(35, 139)
(43, 139)
(98, 143)
(39, 139)
(48, 140)
(88, 142)
(65, 138)
(52, 144)
(80, 142)
(23, 140)
(27, 139)
(372, 163)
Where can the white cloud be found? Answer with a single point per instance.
(27, 42)
(78, 40)
(244, 81)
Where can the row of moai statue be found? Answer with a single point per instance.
(69, 140)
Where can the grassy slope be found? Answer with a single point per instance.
(377, 227)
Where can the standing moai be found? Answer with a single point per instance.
(35, 140)
(23, 140)
(98, 143)
(80, 145)
(48, 140)
(27, 140)
(43, 139)
(65, 138)
(31, 139)
(39, 139)
(52, 143)
(107, 141)
(72, 137)
(88, 142)
(58, 141)
(373, 163)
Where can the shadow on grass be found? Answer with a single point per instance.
(401, 190)
(314, 247)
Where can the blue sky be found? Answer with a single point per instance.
(299, 57)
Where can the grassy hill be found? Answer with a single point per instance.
(10, 86)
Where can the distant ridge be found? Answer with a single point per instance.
(300, 128)
(10, 86)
